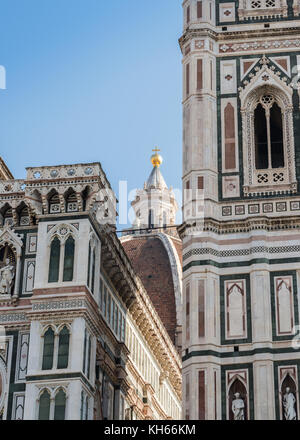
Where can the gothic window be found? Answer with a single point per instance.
(56, 349)
(71, 201)
(54, 203)
(63, 348)
(23, 215)
(268, 144)
(7, 215)
(269, 151)
(48, 351)
(151, 219)
(92, 266)
(69, 259)
(60, 405)
(54, 261)
(87, 350)
(85, 198)
(52, 407)
(44, 406)
(62, 256)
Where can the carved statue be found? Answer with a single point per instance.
(238, 407)
(289, 401)
(7, 275)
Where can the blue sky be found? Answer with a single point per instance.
(91, 80)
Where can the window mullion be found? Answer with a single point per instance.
(55, 354)
(52, 408)
(269, 139)
(62, 260)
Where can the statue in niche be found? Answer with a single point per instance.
(7, 270)
(7, 276)
(238, 407)
(289, 401)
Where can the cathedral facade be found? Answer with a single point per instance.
(240, 232)
(80, 338)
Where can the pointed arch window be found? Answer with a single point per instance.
(54, 203)
(54, 261)
(52, 407)
(91, 276)
(63, 348)
(269, 151)
(151, 219)
(44, 406)
(60, 405)
(48, 352)
(268, 146)
(69, 259)
(56, 349)
(71, 201)
(87, 351)
(61, 260)
(7, 215)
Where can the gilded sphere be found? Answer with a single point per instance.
(156, 160)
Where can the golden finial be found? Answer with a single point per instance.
(156, 158)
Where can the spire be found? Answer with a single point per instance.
(156, 179)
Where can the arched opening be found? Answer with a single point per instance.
(71, 201)
(36, 199)
(238, 391)
(60, 405)
(268, 126)
(23, 215)
(69, 259)
(53, 202)
(7, 215)
(289, 401)
(48, 351)
(63, 348)
(151, 219)
(44, 406)
(85, 196)
(277, 150)
(261, 139)
(54, 261)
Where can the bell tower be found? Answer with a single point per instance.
(241, 264)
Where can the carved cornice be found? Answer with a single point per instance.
(242, 35)
(238, 226)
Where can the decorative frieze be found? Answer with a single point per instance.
(259, 45)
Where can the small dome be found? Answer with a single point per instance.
(156, 180)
